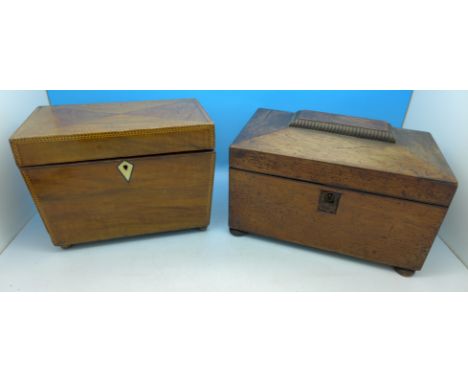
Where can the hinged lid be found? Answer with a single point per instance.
(347, 152)
(73, 133)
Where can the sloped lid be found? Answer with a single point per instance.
(412, 167)
(71, 133)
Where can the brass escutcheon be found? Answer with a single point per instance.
(328, 201)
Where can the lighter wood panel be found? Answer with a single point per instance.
(191, 138)
(75, 133)
(372, 227)
(66, 120)
(92, 201)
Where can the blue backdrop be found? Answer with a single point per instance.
(230, 110)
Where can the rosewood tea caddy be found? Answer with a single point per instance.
(104, 171)
(350, 185)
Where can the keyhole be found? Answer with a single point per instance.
(125, 169)
(328, 201)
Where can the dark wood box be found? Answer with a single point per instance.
(104, 171)
(354, 186)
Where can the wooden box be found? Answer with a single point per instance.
(354, 186)
(104, 171)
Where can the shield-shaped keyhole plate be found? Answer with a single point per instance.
(126, 169)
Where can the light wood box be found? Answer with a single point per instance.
(104, 171)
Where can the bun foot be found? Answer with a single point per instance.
(66, 246)
(404, 272)
(202, 228)
(236, 232)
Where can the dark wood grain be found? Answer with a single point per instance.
(391, 197)
(413, 168)
(377, 228)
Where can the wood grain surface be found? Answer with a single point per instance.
(413, 168)
(372, 227)
(73, 133)
(90, 201)
(377, 200)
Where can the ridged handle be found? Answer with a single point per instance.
(343, 125)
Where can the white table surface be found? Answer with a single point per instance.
(208, 261)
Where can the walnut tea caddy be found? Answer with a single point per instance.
(104, 171)
(350, 185)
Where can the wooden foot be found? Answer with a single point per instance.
(236, 232)
(202, 228)
(66, 246)
(404, 272)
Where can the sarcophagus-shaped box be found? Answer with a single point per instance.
(351, 185)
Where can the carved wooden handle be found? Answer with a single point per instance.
(343, 125)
